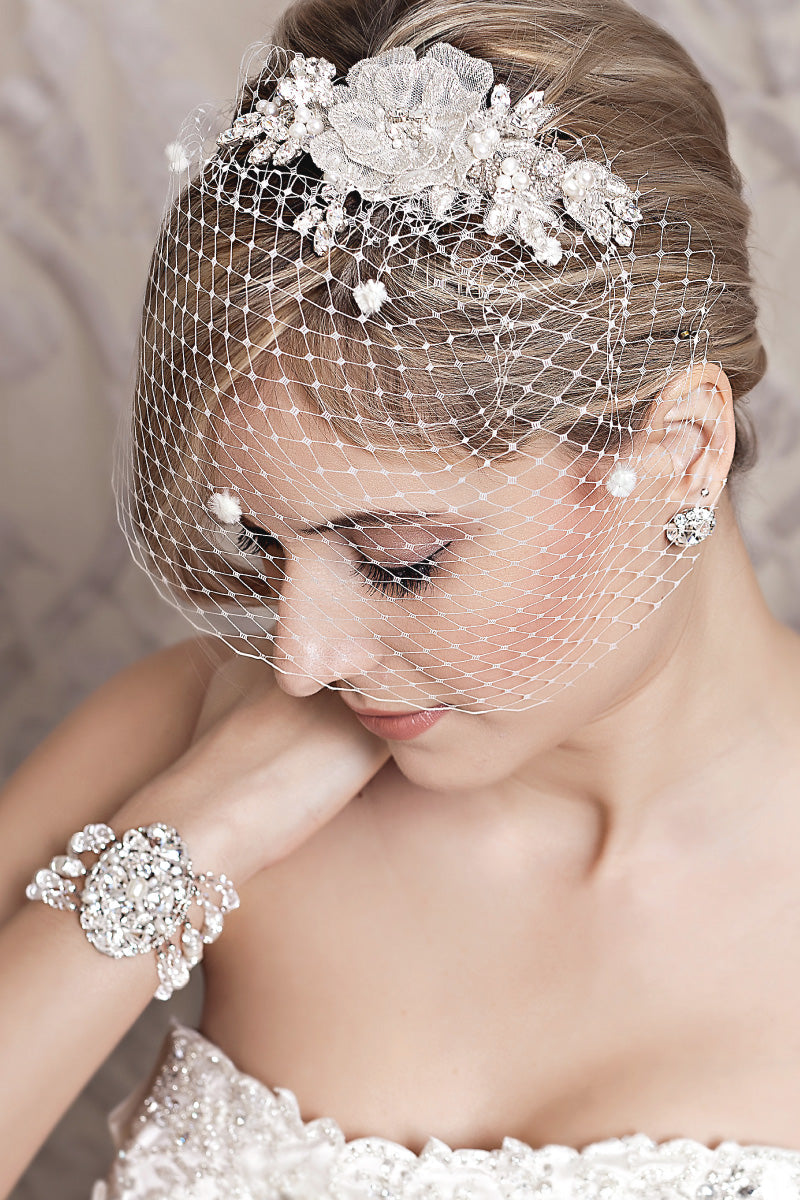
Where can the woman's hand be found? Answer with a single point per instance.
(265, 770)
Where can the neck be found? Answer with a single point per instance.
(693, 735)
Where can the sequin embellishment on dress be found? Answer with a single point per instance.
(204, 1130)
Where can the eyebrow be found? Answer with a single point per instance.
(365, 520)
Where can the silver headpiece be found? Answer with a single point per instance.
(422, 130)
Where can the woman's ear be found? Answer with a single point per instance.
(691, 437)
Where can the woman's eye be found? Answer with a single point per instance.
(400, 579)
(252, 541)
(397, 580)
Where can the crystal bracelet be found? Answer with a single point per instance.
(137, 897)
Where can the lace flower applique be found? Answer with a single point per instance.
(432, 130)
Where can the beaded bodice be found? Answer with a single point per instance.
(204, 1130)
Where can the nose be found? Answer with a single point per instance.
(318, 637)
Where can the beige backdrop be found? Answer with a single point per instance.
(90, 93)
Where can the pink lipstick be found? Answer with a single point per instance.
(400, 727)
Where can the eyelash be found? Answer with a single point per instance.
(249, 543)
(405, 579)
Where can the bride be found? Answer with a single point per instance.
(485, 723)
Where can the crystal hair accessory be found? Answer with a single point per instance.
(137, 897)
(431, 130)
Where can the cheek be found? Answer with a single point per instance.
(515, 615)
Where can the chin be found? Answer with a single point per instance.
(446, 770)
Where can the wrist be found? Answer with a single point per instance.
(209, 848)
(136, 894)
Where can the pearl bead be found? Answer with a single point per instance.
(573, 188)
(510, 166)
(479, 147)
(504, 183)
(520, 180)
(303, 114)
(297, 130)
(268, 107)
(492, 136)
(315, 125)
(586, 176)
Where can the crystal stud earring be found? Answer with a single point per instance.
(691, 525)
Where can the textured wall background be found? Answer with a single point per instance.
(90, 93)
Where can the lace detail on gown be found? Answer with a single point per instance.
(204, 1130)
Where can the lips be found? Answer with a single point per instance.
(399, 726)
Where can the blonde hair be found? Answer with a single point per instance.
(619, 81)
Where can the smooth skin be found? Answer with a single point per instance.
(603, 940)
(134, 753)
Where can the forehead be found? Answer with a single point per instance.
(287, 458)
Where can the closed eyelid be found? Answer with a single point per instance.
(398, 574)
(254, 527)
(403, 542)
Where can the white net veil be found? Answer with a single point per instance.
(403, 346)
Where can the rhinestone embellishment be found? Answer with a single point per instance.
(429, 131)
(206, 1130)
(138, 892)
(137, 897)
(691, 526)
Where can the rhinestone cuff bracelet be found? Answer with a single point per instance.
(137, 897)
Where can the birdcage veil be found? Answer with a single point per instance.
(402, 346)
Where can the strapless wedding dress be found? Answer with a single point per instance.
(201, 1129)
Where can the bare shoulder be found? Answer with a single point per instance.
(121, 736)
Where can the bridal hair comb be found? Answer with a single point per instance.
(431, 130)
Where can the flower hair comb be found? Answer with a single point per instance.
(432, 130)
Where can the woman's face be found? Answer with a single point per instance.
(408, 580)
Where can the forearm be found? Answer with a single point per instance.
(64, 1007)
